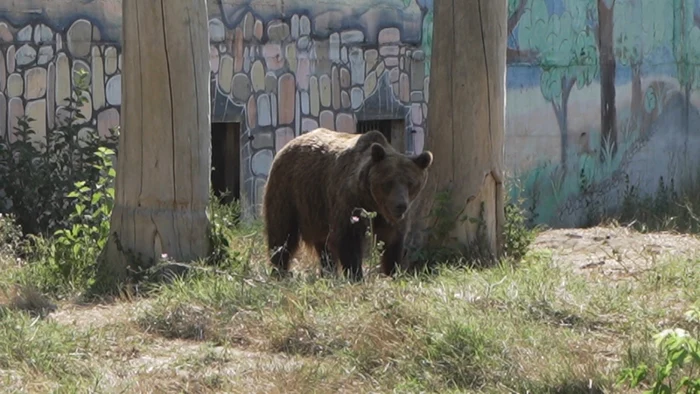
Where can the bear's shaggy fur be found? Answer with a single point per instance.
(317, 184)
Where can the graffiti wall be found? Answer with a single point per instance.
(600, 94)
(601, 97)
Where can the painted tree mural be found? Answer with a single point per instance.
(686, 49)
(641, 27)
(567, 53)
(516, 10)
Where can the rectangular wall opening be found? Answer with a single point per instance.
(393, 129)
(226, 161)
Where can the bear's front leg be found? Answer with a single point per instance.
(349, 244)
(393, 253)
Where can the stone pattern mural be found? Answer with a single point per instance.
(292, 83)
(277, 78)
(37, 65)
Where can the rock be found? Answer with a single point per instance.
(98, 80)
(321, 53)
(214, 59)
(277, 31)
(345, 123)
(297, 111)
(106, 120)
(380, 69)
(305, 102)
(51, 96)
(391, 61)
(79, 38)
(15, 85)
(371, 57)
(24, 35)
(258, 29)
(304, 26)
(248, 26)
(389, 35)
(327, 120)
(225, 73)
(111, 60)
(113, 90)
(416, 113)
(96, 36)
(217, 30)
(25, 55)
(80, 66)
(417, 75)
(356, 98)
(270, 83)
(303, 72)
(325, 90)
(286, 103)
(308, 124)
(3, 75)
(263, 140)
(282, 137)
(257, 76)
(15, 110)
(334, 50)
(418, 140)
(350, 37)
(238, 52)
(344, 55)
(370, 84)
(304, 43)
(315, 98)
(261, 162)
(394, 75)
(3, 117)
(35, 83)
(252, 112)
(344, 78)
(417, 96)
(404, 88)
(273, 110)
(37, 110)
(10, 58)
(291, 55)
(43, 35)
(402, 64)
(345, 99)
(390, 50)
(45, 55)
(5, 34)
(59, 42)
(273, 56)
(357, 67)
(418, 56)
(426, 89)
(335, 88)
(240, 87)
(264, 110)
(295, 26)
(246, 60)
(63, 80)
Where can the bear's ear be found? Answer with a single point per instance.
(424, 160)
(378, 152)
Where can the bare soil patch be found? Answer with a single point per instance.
(616, 252)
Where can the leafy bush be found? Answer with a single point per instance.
(679, 370)
(38, 174)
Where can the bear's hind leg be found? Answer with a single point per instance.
(350, 253)
(282, 241)
(327, 260)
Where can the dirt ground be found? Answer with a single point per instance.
(615, 251)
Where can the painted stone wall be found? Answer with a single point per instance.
(319, 65)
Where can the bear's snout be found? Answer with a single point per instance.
(400, 209)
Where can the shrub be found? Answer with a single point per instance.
(38, 175)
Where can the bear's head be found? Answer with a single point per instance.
(396, 179)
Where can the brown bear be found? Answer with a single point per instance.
(317, 184)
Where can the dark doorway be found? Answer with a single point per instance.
(226, 161)
(393, 129)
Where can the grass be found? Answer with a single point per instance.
(535, 327)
